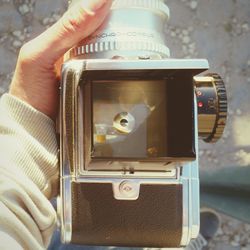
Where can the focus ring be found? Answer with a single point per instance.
(119, 46)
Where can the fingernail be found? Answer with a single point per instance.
(91, 6)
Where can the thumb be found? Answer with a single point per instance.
(77, 23)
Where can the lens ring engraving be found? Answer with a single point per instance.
(118, 46)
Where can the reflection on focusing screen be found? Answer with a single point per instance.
(124, 119)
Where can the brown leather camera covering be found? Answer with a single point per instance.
(154, 220)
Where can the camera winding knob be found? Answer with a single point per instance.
(212, 106)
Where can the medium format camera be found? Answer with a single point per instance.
(130, 120)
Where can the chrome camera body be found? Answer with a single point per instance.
(130, 120)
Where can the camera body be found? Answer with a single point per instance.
(129, 130)
(132, 199)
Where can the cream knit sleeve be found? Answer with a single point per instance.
(28, 176)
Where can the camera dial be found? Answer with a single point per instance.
(212, 106)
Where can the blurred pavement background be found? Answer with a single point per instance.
(218, 30)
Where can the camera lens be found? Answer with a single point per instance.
(134, 29)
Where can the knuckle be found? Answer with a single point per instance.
(72, 20)
(25, 54)
(30, 54)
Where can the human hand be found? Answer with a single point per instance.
(35, 80)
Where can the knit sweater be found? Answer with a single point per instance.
(28, 176)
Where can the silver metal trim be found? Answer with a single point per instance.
(195, 208)
(109, 64)
(191, 193)
(195, 181)
(153, 181)
(64, 201)
(66, 210)
(171, 174)
(64, 158)
(190, 203)
(119, 169)
(186, 218)
(64, 170)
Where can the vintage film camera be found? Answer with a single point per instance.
(130, 122)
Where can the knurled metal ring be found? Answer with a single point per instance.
(120, 46)
(222, 108)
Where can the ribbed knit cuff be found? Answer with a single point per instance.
(39, 156)
(27, 116)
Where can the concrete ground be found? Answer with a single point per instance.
(218, 30)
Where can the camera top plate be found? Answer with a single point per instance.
(196, 66)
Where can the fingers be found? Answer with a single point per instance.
(35, 80)
(78, 22)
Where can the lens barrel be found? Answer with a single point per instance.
(134, 29)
